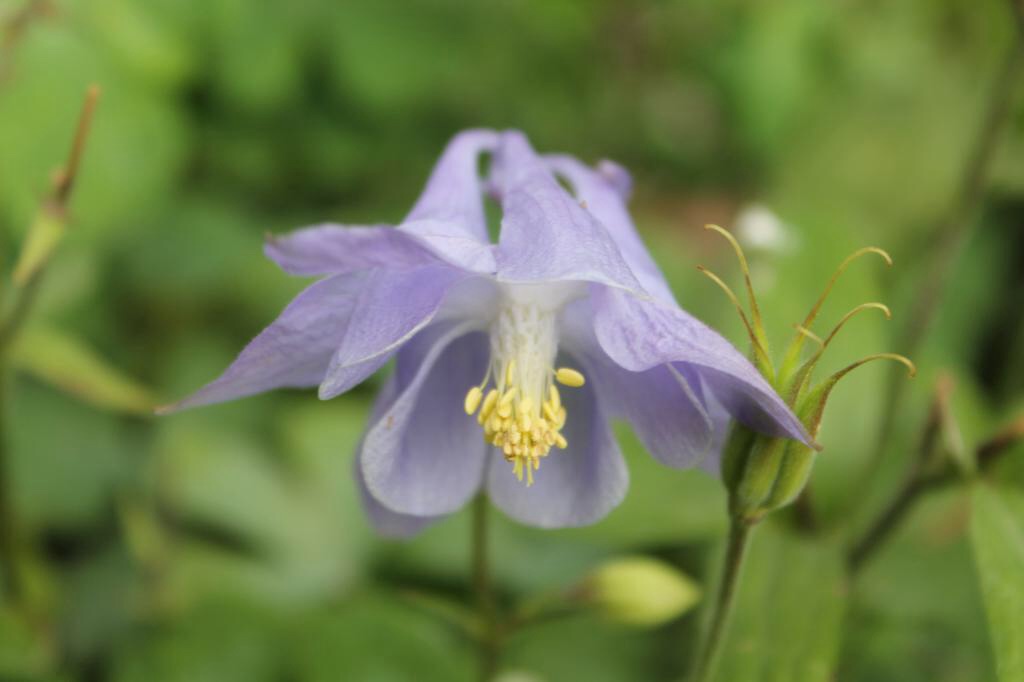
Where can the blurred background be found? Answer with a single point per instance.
(227, 543)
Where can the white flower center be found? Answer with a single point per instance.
(522, 414)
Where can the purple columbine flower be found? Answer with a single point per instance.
(510, 358)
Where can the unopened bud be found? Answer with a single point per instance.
(641, 591)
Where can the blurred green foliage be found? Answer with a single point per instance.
(228, 543)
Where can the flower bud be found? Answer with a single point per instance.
(640, 591)
(761, 472)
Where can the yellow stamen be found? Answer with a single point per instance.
(473, 399)
(507, 399)
(554, 398)
(569, 377)
(523, 426)
(489, 402)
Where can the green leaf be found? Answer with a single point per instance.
(788, 612)
(71, 366)
(997, 532)
(375, 637)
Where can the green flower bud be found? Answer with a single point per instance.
(640, 591)
(764, 473)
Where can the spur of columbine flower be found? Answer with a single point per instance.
(510, 357)
(764, 473)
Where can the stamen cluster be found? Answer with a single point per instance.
(523, 428)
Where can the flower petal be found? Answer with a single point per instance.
(640, 334)
(294, 351)
(392, 306)
(425, 456)
(573, 487)
(385, 521)
(330, 249)
(603, 193)
(545, 234)
(663, 404)
(449, 216)
(662, 408)
(721, 423)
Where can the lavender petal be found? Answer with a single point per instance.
(641, 334)
(603, 192)
(425, 456)
(546, 235)
(294, 351)
(331, 249)
(391, 308)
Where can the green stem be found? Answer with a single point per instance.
(739, 537)
(920, 478)
(489, 641)
(11, 324)
(883, 526)
(25, 297)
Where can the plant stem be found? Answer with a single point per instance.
(25, 296)
(11, 324)
(950, 233)
(489, 640)
(924, 474)
(887, 522)
(739, 537)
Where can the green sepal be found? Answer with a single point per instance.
(735, 453)
(758, 478)
(794, 473)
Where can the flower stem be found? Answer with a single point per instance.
(489, 641)
(739, 537)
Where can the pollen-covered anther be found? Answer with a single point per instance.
(569, 377)
(523, 427)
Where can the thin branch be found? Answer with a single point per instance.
(994, 448)
(952, 230)
(14, 30)
(57, 205)
(920, 478)
(925, 477)
(25, 296)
